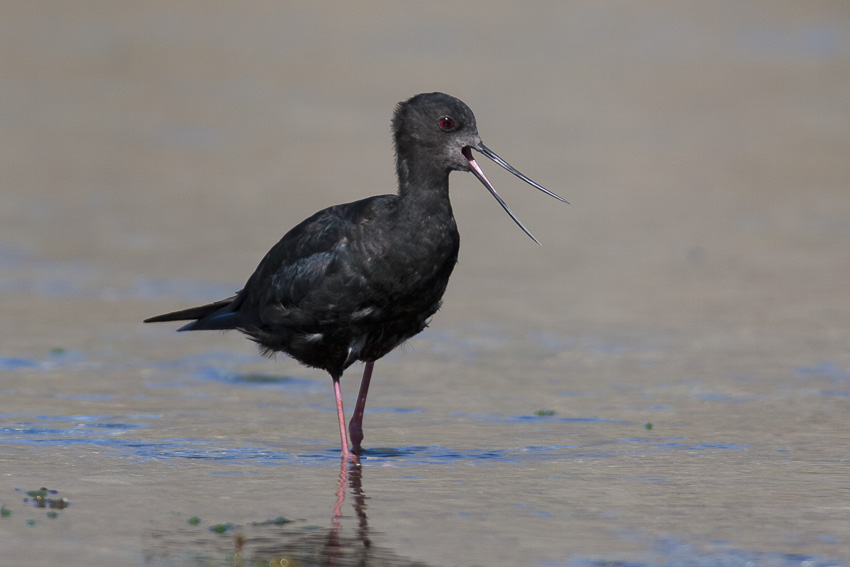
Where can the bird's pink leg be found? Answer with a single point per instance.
(343, 439)
(356, 425)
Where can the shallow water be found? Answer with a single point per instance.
(664, 382)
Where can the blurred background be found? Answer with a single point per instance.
(703, 147)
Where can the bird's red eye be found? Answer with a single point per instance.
(447, 123)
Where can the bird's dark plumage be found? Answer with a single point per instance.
(353, 281)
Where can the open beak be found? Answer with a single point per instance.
(476, 170)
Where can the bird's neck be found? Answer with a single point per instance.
(423, 196)
(419, 179)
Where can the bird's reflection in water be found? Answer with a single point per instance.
(281, 542)
(350, 476)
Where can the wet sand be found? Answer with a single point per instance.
(664, 382)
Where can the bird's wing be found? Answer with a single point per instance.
(314, 267)
(192, 313)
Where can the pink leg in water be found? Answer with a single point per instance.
(343, 439)
(356, 425)
(340, 498)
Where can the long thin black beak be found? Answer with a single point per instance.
(476, 170)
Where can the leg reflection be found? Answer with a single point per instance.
(355, 481)
(350, 476)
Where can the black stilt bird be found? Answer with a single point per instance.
(354, 281)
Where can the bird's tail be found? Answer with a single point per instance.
(212, 316)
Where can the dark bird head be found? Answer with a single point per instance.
(435, 134)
